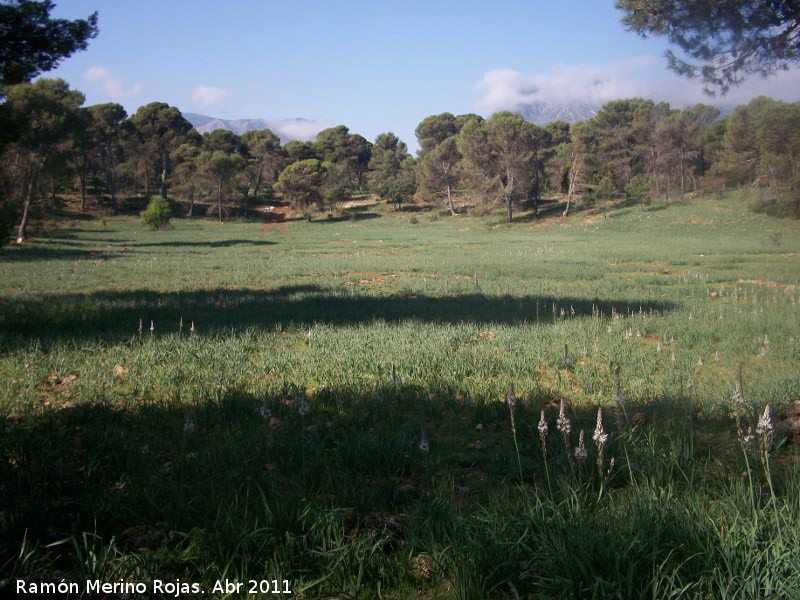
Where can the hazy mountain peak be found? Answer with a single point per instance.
(543, 112)
(286, 129)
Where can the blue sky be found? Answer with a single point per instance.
(373, 66)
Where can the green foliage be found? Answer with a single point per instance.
(162, 128)
(392, 171)
(604, 190)
(637, 188)
(500, 157)
(157, 214)
(433, 130)
(302, 183)
(31, 42)
(726, 40)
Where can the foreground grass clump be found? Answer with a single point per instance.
(327, 403)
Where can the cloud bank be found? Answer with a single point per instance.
(644, 76)
(205, 96)
(298, 129)
(110, 83)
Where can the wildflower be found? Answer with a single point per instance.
(673, 358)
(180, 327)
(423, 443)
(152, 329)
(511, 400)
(658, 347)
(188, 424)
(567, 359)
(689, 385)
(394, 376)
(140, 327)
(600, 437)
(764, 427)
(191, 329)
(543, 433)
(563, 313)
(716, 356)
(580, 451)
(563, 424)
(700, 362)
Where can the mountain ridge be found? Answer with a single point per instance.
(287, 129)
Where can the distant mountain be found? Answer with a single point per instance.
(542, 113)
(286, 129)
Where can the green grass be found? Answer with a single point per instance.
(340, 500)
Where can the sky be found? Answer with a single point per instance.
(376, 65)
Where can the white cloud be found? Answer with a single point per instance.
(644, 76)
(205, 96)
(110, 83)
(297, 129)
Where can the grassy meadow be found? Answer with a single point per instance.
(325, 403)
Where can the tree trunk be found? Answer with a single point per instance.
(191, 204)
(219, 199)
(258, 185)
(247, 189)
(509, 209)
(110, 183)
(654, 154)
(574, 171)
(683, 177)
(82, 177)
(146, 181)
(28, 199)
(450, 200)
(164, 160)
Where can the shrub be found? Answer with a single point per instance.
(157, 213)
(637, 188)
(604, 190)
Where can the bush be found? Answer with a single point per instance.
(604, 190)
(637, 188)
(157, 213)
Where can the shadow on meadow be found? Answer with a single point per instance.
(340, 492)
(210, 244)
(116, 314)
(42, 252)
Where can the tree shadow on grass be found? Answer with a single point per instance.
(45, 253)
(352, 215)
(150, 473)
(116, 314)
(211, 244)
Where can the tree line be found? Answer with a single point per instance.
(642, 149)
